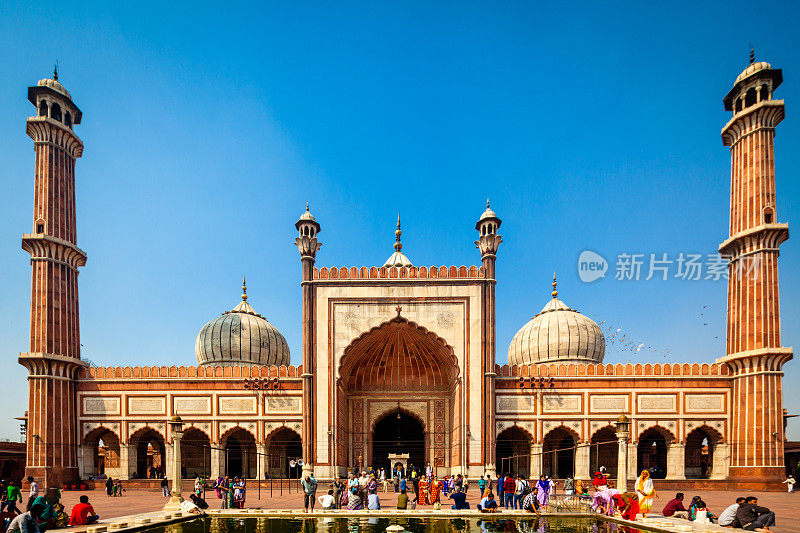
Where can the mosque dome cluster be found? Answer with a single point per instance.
(241, 337)
(557, 334)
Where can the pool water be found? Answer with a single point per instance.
(379, 524)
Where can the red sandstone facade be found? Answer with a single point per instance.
(403, 359)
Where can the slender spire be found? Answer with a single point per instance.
(244, 289)
(55, 71)
(306, 207)
(555, 292)
(752, 54)
(398, 245)
(487, 203)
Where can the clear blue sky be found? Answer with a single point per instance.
(208, 127)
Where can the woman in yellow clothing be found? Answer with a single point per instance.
(645, 491)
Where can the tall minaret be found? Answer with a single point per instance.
(308, 228)
(54, 357)
(488, 242)
(754, 352)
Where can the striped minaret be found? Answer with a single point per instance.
(754, 352)
(54, 357)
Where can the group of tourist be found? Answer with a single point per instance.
(114, 487)
(745, 513)
(232, 491)
(42, 511)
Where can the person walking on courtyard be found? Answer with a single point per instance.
(13, 496)
(165, 488)
(753, 517)
(646, 492)
(34, 492)
(482, 486)
(310, 492)
(423, 494)
(109, 486)
(428, 470)
(790, 483)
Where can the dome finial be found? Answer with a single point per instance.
(55, 71)
(398, 245)
(306, 207)
(752, 54)
(244, 289)
(487, 203)
(555, 292)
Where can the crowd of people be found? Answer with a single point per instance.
(413, 488)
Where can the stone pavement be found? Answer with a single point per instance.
(786, 506)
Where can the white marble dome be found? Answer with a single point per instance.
(241, 337)
(557, 334)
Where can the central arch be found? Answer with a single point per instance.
(397, 361)
(398, 433)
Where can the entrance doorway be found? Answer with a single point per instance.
(398, 433)
(240, 454)
(652, 453)
(558, 454)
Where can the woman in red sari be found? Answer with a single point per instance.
(423, 495)
(436, 487)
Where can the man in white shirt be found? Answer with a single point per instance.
(728, 516)
(188, 506)
(327, 501)
(34, 493)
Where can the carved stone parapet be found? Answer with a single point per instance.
(766, 114)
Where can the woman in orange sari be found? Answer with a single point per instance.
(436, 487)
(422, 497)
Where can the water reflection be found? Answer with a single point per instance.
(375, 524)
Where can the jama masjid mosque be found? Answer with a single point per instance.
(400, 358)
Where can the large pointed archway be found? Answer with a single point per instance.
(396, 368)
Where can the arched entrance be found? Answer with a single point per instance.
(513, 450)
(398, 362)
(700, 446)
(604, 451)
(398, 433)
(195, 453)
(283, 445)
(240, 454)
(652, 453)
(104, 454)
(558, 454)
(150, 452)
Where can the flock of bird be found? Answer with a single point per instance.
(621, 341)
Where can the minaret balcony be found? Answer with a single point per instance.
(43, 247)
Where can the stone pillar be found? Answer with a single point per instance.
(633, 460)
(216, 456)
(127, 461)
(676, 461)
(623, 431)
(536, 461)
(85, 461)
(720, 461)
(176, 432)
(263, 461)
(582, 462)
